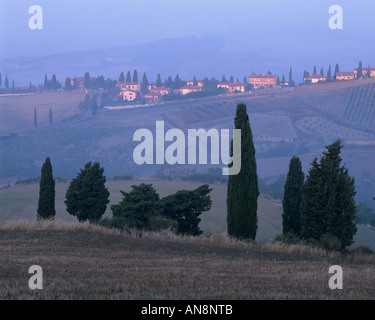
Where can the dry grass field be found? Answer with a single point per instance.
(86, 262)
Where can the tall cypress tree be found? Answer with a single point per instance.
(45, 85)
(50, 116)
(359, 70)
(329, 73)
(144, 84)
(292, 197)
(176, 82)
(314, 72)
(243, 191)
(337, 69)
(35, 118)
(128, 77)
(290, 75)
(46, 203)
(328, 205)
(1, 81)
(122, 77)
(135, 76)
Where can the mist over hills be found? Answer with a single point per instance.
(236, 51)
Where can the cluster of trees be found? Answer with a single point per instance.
(320, 209)
(89, 103)
(52, 84)
(141, 208)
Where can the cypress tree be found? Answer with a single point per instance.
(314, 72)
(45, 85)
(329, 73)
(135, 76)
(144, 85)
(68, 84)
(13, 84)
(35, 118)
(176, 82)
(158, 81)
(170, 83)
(231, 79)
(290, 75)
(243, 191)
(224, 79)
(6, 83)
(292, 197)
(322, 71)
(359, 72)
(283, 79)
(122, 77)
(46, 203)
(128, 77)
(50, 116)
(337, 69)
(54, 82)
(1, 81)
(328, 205)
(87, 80)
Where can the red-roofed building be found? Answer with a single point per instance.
(232, 87)
(263, 80)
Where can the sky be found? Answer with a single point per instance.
(91, 24)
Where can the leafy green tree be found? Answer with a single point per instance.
(135, 76)
(46, 203)
(35, 118)
(328, 205)
(186, 206)
(292, 198)
(138, 207)
(87, 197)
(128, 77)
(122, 77)
(243, 191)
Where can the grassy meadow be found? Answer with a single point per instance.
(81, 261)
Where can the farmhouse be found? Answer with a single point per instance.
(80, 81)
(232, 87)
(263, 80)
(162, 90)
(315, 78)
(188, 89)
(365, 71)
(198, 83)
(129, 86)
(128, 94)
(224, 85)
(152, 97)
(345, 76)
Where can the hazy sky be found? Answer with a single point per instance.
(83, 24)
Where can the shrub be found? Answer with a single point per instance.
(330, 242)
(287, 238)
(364, 250)
(158, 223)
